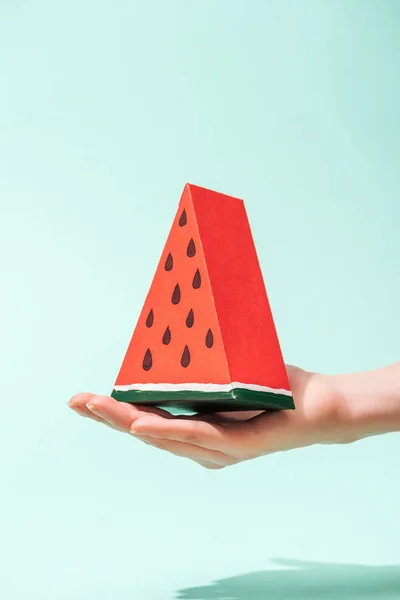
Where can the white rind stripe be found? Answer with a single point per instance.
(199, 387)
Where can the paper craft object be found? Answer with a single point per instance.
(206, 340)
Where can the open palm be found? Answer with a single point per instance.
(221, 439)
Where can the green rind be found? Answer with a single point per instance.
(207, 402)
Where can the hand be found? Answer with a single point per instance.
(218, 440)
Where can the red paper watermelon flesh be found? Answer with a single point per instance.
(205, 339)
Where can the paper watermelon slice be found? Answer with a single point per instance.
(205, 339)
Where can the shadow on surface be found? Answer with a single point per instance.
(304, 581)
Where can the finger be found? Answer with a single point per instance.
(79, 401)
(78, 404)
(82, 410)
(85, 412)
(197, 432)
(207, 465)
(239, 415)
(190, 451)
(122, 414)
(262, 434)
(202, 463)
(221, 418)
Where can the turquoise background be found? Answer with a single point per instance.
(106, 110)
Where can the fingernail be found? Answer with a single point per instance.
(136, 432)
(94, 409)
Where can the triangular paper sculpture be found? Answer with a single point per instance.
(206, 340)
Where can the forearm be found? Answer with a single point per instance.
(371, 400)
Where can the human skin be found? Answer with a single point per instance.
(330, 409)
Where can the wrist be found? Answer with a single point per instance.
(369, 402)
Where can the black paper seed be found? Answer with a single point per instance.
(147, 361)
(150, 319)
(191, 249)
(196, 280)
(209, 339)
(185, 360)
(190, 319)
(183, 219)
(176, 296)
(166, 337)
(169, 263)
